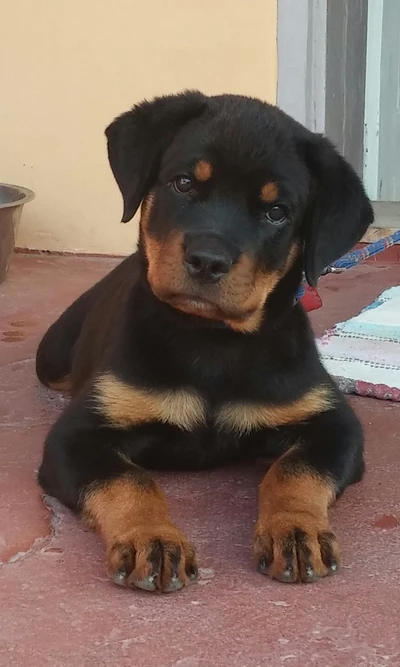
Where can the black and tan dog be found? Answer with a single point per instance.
(193, 353)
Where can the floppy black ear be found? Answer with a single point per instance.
(137, 139)
(339, 211)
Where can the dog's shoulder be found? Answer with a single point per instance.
(104, 321)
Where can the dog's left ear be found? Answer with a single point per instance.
(339, 211)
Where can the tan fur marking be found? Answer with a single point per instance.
(114, 508)
(203, 171)
(249, 324)
(145, 210)
(165, 266)
(164, 256)
(303, 492)
(124, 405)
(244, 418)
(269, 192)
(153, 248)
(264, 285)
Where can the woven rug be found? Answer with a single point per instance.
(363, 354)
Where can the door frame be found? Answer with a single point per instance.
(322, 80)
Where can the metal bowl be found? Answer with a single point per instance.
(12, 200)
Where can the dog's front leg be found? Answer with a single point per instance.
(84, 466)
(293, 540)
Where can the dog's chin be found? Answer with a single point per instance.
(193, 305)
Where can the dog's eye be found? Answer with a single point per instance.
(277, 214)
(182, 184)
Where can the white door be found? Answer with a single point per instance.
(382, 105)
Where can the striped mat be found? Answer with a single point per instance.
(363, 354)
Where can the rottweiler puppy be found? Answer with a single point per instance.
(193, 352)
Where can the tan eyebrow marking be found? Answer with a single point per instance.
(203, 171)
(269, 192)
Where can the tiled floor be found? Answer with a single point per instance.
(57, 607)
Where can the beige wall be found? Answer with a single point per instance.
(69, 66)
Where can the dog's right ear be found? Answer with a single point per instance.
(137, 139)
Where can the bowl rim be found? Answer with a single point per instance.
(26, 195)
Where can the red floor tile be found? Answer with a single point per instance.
(58, 608)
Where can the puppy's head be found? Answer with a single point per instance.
(234, 193)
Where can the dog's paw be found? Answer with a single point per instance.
(293, 547)
(156, 558)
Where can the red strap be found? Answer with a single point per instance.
(311, 300)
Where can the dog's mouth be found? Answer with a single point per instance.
(193, 304)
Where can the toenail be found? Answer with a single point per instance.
(119, 577)
(147, 584)
(174, 585)
(288, 574)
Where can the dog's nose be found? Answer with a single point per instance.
(206, 259)
(206, 265)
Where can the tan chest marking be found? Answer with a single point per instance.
(124, 406)
(242, 418)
